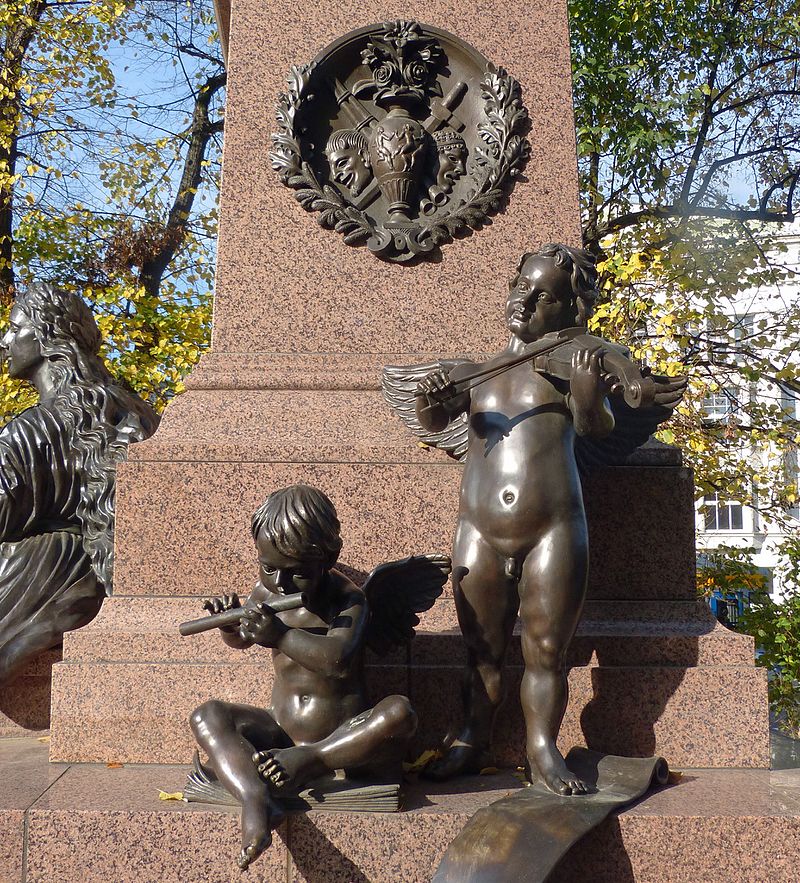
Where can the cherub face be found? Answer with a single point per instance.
(19, 346)
(541, 301)
(350, 168)
(452, 166)
(286, 575)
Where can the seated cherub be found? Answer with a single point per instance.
(319, 720)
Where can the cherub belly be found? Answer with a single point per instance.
(521, 486)
(308, 716)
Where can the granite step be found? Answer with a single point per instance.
(25, 702)
(88, 823)
(610, 633)
(707, 716)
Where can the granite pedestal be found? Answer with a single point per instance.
(290, 392)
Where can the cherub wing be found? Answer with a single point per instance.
(633, 426)
(396, 592)
(399, 385)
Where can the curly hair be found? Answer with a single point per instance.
(583, 274)
(100, 417)
(301, 522)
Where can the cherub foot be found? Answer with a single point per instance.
(459, 758)
(552, 771)
(279, 767)
(259, 819)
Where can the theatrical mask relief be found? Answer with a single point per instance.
(401, 136)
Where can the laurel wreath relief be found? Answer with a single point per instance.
(500, 155)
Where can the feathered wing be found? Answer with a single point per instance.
(633, 426)
(399, 385)
(396, 592)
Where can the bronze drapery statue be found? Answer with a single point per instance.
(555, 402)
(318, 624)
(57, 474)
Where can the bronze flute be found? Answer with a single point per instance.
(232, 616)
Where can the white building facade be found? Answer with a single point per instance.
(722, 521)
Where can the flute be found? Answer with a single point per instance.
(232, 616)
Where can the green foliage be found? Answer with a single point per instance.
(728, 569)
(776, 629)
(688, 120)
(109, 167)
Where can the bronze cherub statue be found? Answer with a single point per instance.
(318, 623)
(528, 422)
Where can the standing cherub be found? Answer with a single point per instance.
(527, 425)
(319, 720)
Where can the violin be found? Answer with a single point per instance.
(552, 354)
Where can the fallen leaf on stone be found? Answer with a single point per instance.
(43, 739)
(423, 446)
(674, 777)
(115, 766)
(170, 795)
(422, 761)
(489, 771)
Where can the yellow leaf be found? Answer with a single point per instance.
(422, 761)
(170, 795)
(43, 739)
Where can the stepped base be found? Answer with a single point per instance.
(88, 823)
(25, 703)
(663, 679)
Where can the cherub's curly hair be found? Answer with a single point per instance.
(96, 412)
(583, 274)
(301, 522)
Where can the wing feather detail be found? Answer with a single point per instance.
(396, 592)
(399, 383)
(632, 427)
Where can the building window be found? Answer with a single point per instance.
(720, 514)
(720, 404)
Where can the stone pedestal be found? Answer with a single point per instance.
(290, 392)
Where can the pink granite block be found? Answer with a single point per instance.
(100, 824)
(12, 838)
(266, 237)
(641, 533)
(709, 717)
(160, 554)
(25, 775)
(712, 826)
(137, 713)
(25, 702)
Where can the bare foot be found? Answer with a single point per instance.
(553, 772)
(294, 766)
(459, 758)
(259, 818)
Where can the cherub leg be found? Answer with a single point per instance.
(373, 737)
(552, 590)
(486, 602)
(229, 734)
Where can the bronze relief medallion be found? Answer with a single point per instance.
(400, 136)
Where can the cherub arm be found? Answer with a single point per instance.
(587, 400)
(439, 403)
(331, 654)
